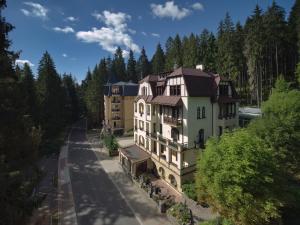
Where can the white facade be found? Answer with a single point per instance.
(174, 134)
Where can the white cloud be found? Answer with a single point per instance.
(35, 9)
(198, 6)
(114, 34)
(71, 19)
(144, 33)
(116, 20)
(169, 10)
(21, 62)
(65, 30)
(64, 55)
(131, 31)
(155, 35)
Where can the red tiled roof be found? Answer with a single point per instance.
(167, 100)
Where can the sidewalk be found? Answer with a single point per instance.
(145, 209)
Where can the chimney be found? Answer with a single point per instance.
(200, 67)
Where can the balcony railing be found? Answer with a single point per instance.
(172, 121)
(115, 110)
(175, 144)
(162, 139)
(116, 118)
(116, 101)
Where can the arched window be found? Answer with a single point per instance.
(141, 108)
(203, 112)
(172, 180)
(198, 113)
(162, 172)
(141, 140)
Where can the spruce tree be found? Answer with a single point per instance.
(143, 65)
(50, 96)
(169, 64)
(118, 64)
(190, 51)
(158, 60)
(19, 140)
(29, 93)
(131, 68)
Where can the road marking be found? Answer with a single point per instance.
(119, 190)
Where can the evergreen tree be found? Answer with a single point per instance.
(227, 60)
(29, 93)
(253, 51)
(158, 60)
(207, 50)
(143, 65)
(169, 64)
(190, 51)
(71, 100)
(177, 51)
(51, 96)
(131, 68)
(19, 140)
(118, 65)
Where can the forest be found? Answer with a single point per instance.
(253, 55)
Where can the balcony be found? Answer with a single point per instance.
(115, 110)
(175, 145)
(173, 121)
(162, 139)
(116, 118)
(116, 102)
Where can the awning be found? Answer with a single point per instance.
(167, 100)
(134, 153)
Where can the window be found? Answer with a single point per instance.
(135, 108)
(198, 113)
(223, 90)
(203, 112)
(115, 124)
(141, 140)
(175, 90)
(154, 127)
(160, 129)
(160, 109)
(141, 108)
(201, 138)
(153, 110)
(148, 110)
(175, 134)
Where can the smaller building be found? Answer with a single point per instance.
(246, 114)
(119, 105)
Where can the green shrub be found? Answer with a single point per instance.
(217, 221)
(181, 213)
(111, 144)
(189, 189)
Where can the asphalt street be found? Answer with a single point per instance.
(97, 200)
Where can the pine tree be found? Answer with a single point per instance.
(131, 68)
(158, 60)
(143, 65)
(50, 95)
(118, 65)
(177, 51)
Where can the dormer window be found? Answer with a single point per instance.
(175, 90)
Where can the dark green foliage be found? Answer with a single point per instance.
(181, 213)
(207, 50)
(19, 139)
(111, 144)
(143, 65)
(189, 188)
(71, 101)
(173, 53)
(131, 68)
(29, 93)
(118, 65)
(158, 60)
(190, 54)
(51, 96)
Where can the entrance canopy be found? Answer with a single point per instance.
(134, 153)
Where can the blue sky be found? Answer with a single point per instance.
(78, 33)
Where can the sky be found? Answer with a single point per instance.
(78, 33)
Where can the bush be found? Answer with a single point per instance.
(189, 189)
(181, 213)
(218, 221)
(111, 144)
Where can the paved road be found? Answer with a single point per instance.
(97, 200)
